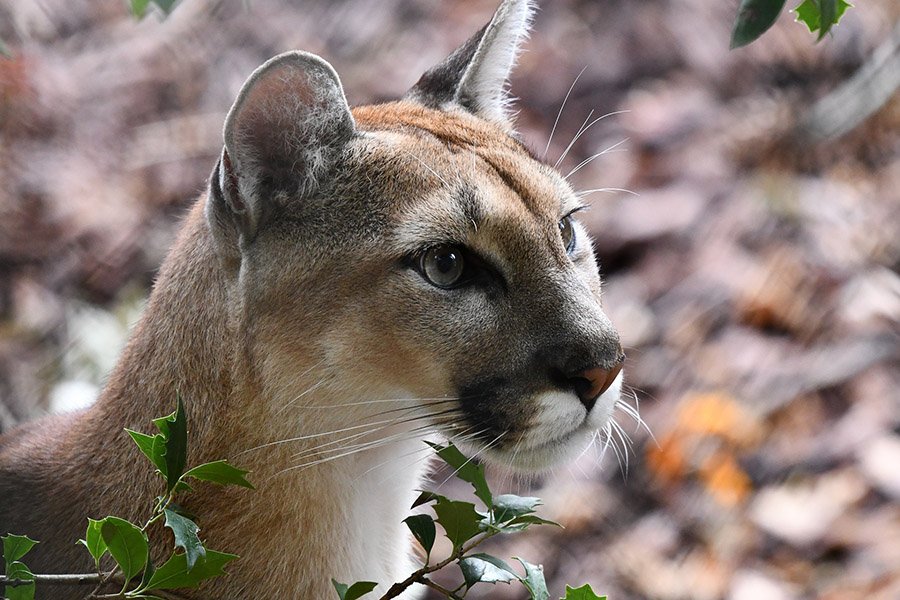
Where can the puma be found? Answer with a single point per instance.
(351, 282)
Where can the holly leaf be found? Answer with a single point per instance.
(352, 592)
(534, 580)
(15, 547)
(422, 528)
(139, 7)
(167, 6)
(524, 521)
(821, 15)
(509, 506)
(152, 446)
(174, 430)
(754, 18)
(185, 531)
(465, 469)
(424, 498)
(485, 568)
(220, 472)
(460, 520)
(18, 570)
(93, 541)
(126, 543)
(176, 574)
(583, 593)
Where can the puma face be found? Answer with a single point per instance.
(416, 252)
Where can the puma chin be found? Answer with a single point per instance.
(563, 429)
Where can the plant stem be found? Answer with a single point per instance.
(55, 579)
(440, 589)
(420, 575)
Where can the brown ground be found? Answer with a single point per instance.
(754, 277)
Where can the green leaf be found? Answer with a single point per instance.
(583, 593)
(510, 506)
(220, 472)
(15, 547)
(422, 528)
(167, 6)
(524, 521)
(821, 15)
(152, 446)
(465, 469)
(149, 570)
(460, 520)
(754, 18)
(126, 543)
(534, 580)
(424, 498)
(93, 541)
(352, 592)
(176, 574)
(17, 570)
(174, 429)
(139, 7)
(4, 51)
(186, 537)
(485, 568)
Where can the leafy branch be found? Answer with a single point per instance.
(755, 17)
(128, 544)
(466, 528)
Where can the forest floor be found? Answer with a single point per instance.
(752, 273)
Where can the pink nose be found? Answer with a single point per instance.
(591, 383)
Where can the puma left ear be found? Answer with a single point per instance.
(286, 128)
(475, 76)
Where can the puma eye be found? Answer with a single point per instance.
(567, 231)
(443, 266)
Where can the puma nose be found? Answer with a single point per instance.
(590, 384)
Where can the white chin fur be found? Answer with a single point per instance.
(561, 430)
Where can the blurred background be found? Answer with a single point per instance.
(752, 268)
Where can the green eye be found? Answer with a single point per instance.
(442, 266)
(567, 231)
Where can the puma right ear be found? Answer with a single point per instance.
(475, 76)
(287, 126)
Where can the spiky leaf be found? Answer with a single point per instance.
(485, 568)
(534, 580)
(174, 430)
(185, 531)
(460, 520)
(821, 15)
(176, 574)
(152, 446)
(465, 469)
(220, 472)
(509, 506)
(583, 593)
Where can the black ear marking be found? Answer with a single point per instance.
(474, 77)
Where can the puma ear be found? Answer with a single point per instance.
(475, 76)
(286, 128)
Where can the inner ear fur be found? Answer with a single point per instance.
(476, 75)
(287, 127)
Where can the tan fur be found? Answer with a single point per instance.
(307, 317)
